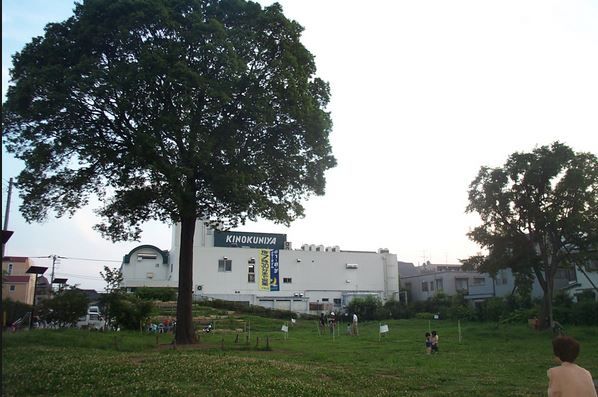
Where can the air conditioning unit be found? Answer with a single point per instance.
(328, 249)
(383, 250)
(320, 248)
(352, 265)
(312, 247)
(336, 248)
(305, 247)
(288, 245)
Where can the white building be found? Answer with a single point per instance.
(263, 269)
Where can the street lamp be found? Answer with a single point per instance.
(60, 281)
(37, 270)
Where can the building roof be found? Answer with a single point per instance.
(15, 259)
(16, 279)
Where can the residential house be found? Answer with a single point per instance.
(17, 284)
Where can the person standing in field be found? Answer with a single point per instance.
(354, 329)
(428, 343)
(568, 379)
(434, 339)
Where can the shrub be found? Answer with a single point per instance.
(66, 306)
(398, 310)
(14, 310)
(585, 313)
(424, 316)
(461, 312)
(519, 316)
(367, 308)
(157, 293)
(130, 311)
(126, 311)
(492, 309)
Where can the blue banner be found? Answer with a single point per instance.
(274, 279)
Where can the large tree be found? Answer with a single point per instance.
(539, 213)
(171, 110)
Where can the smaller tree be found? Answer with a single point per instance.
(66, 306)
(366, 308)
(113, 278)
(128, 311)
(539, 214)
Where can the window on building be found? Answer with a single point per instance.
(439, 286)
(566, 274)
(424, 286)
(462, 284)
(337, 301)
(592, 265)
(479, 281)
(287, 280)
(225, 265)
(10, 266)
(12, 287)
(501, 277)
(251, 271)
(324, 299)
(408, 286)
(431, 285)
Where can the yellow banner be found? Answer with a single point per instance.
(264, 270)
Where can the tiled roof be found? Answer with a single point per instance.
(14, 259)
(16, 279)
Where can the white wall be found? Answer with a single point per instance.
(316, 275)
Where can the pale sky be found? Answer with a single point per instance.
(424, 93)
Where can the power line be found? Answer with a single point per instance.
(78, 259)
(93, 260)
(83, 276)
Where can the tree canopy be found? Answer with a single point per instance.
(171, 110)
(539, 213)
(66, 306)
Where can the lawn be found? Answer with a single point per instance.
(489, 361)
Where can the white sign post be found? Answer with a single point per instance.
(383, 330)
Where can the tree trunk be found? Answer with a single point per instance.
(546, 319)
(185, 333)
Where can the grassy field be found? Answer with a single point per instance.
(489, 361)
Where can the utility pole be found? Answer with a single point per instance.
(54, 259)
(7, 211)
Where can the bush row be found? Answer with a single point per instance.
(513, 309)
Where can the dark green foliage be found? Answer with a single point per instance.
(368, 308)
(171, 110)
(113, 278)
(156, 293)
(539, 213)
(14, 310)
(492, 309)
(128, 311)
(244, 307)
(65, 307)
(398, 310)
